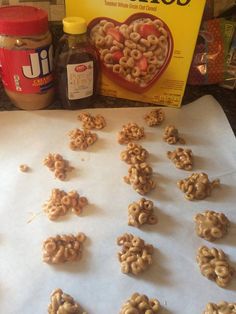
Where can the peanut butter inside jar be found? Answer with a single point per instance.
(26, 57)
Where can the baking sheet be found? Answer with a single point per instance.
(96, 281)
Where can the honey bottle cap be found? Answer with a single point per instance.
(74, 25)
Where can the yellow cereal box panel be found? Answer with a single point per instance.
(145, 46)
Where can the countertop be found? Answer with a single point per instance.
(225, 97)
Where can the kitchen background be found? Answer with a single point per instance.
(214, 9)
(55, 8)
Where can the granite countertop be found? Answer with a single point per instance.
(225, 97)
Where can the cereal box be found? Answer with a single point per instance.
(145, 46)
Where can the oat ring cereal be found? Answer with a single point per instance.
(136, 54)
(127, 43)
(135, 36)
(63, 303)
(117, 68)
(214, 265)
(139, 304)
(220, 308)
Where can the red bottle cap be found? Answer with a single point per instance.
(23, 20)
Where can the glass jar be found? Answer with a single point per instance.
(76, 66)
(26, 56)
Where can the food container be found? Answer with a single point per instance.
(26, 56)
(145, 52)
(76, 66)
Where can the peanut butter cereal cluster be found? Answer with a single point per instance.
(56, 163)
(171, 135)
(135, 52)
(155, 117)
(220, 308)
(134, 153)
(63, 248)
(197, 186)
(62, 303)
(141, 212)
(182, 158)
(140, 178)
(92, 122)
(214, 265)
(211, 225)
(81, 139)
(130, 132)
(60, 203)
(136, 255)
(140, 304)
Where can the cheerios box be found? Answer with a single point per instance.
(145, 46)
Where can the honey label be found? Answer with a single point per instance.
(80, 80)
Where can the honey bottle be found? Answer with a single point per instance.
(76, 66)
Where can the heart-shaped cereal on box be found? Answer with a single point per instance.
(135, 53)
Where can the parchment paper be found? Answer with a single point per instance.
(96, 281)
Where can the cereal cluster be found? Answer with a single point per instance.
(56, 163)
(134, 153)
(81, 139)
(60, 203)
(92, 122)
(220, 308)
(211, 225)
(130, 132)
(63, 248)
(197, 186)
(155, 117)
(135, 256)
(171, 135)
(214, 265)
(182, 158)
(135, 52)
(141, 212)
(140, 304)
(140, 178)
(62, 303)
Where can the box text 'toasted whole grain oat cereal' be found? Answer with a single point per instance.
(145, 46)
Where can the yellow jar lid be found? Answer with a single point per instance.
(74, 25)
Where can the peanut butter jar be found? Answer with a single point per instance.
(26, 56)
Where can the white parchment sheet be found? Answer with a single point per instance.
(96, 281)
